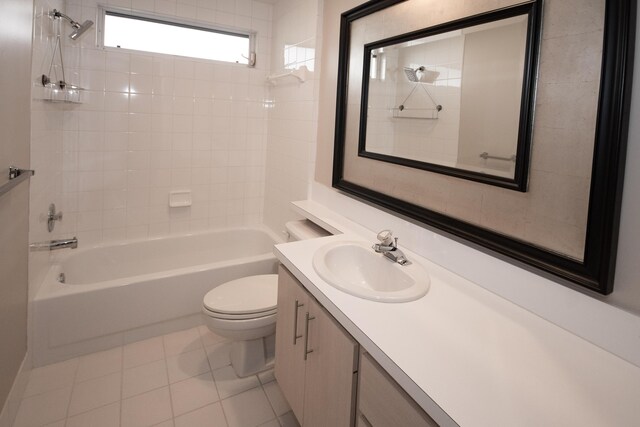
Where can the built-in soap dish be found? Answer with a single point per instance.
(179, 199)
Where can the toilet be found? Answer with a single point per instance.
(245, 310)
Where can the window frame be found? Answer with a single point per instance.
(176, 21)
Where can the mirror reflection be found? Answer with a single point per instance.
(451, 99)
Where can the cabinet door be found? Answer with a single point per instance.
(332, 362)
(290, 366)
(383, 403)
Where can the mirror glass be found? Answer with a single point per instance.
(452, 99)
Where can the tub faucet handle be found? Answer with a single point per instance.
(52, 217)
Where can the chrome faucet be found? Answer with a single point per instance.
(52, 245)
(388, 247)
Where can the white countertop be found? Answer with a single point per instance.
(473, 358)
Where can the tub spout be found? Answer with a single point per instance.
(52, 245)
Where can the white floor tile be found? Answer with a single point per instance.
(56, 424)
(144, 378)
(99, 364)
(288, 420)
(147, 409)
(143, 352)
(272, 423)
(209, 416)
(43, 408)
(278, 402)
(230, 384)
(106, 416)
(187, 365)
(266, 376)
(193, 393)
(182, 342)
(95, 393)
(168, 423)
(51, 377)
(219, 355)
(209, 338)
(248, 409)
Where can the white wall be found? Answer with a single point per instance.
(292, 119)
(15, 51)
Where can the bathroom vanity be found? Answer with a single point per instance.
(318, 364)
(459, 355)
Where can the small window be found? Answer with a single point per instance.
(150, 34)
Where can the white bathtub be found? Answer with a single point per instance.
(122, 292)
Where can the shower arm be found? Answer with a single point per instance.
(57, 14)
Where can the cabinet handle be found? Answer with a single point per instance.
(295, 323)
(306, 335)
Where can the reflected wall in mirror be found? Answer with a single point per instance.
(453, 99)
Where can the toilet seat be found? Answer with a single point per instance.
(244, 316)
(245, 298)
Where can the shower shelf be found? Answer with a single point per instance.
(54, 95)
(415, 113)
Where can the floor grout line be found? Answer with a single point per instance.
(166, 368)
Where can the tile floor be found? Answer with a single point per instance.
(183, 379)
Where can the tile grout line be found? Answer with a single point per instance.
(166, 368)
(121, 385)
(73, 388)
(215, 384)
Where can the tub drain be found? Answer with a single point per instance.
(61, 278)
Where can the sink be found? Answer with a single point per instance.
(355, 268)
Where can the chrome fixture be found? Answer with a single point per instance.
(487, 156)
(62, 278)
(78, 28)
(52, 217)
(388, 247)
(52, 245)
(16, 176)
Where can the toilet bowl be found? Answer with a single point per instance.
(245, 310)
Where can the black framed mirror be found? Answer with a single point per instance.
(455, 98)
(566, 225)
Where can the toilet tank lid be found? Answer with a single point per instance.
(304, 229)
(252, 294)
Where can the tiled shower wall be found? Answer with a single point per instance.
(151, 124)
(293, 117)
(46, 143)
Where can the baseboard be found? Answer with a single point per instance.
(11, 405)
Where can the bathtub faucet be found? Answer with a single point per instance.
(52, 245)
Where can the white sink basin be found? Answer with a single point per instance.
(355, 268)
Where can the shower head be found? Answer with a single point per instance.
(79, 29)
(412, 74)
(420, 74)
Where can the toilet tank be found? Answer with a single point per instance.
(304, 229)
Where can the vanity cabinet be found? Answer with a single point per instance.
(381, 401)
(316, 359)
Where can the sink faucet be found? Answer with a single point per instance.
(388, 247)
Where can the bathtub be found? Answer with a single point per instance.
(118, 293)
